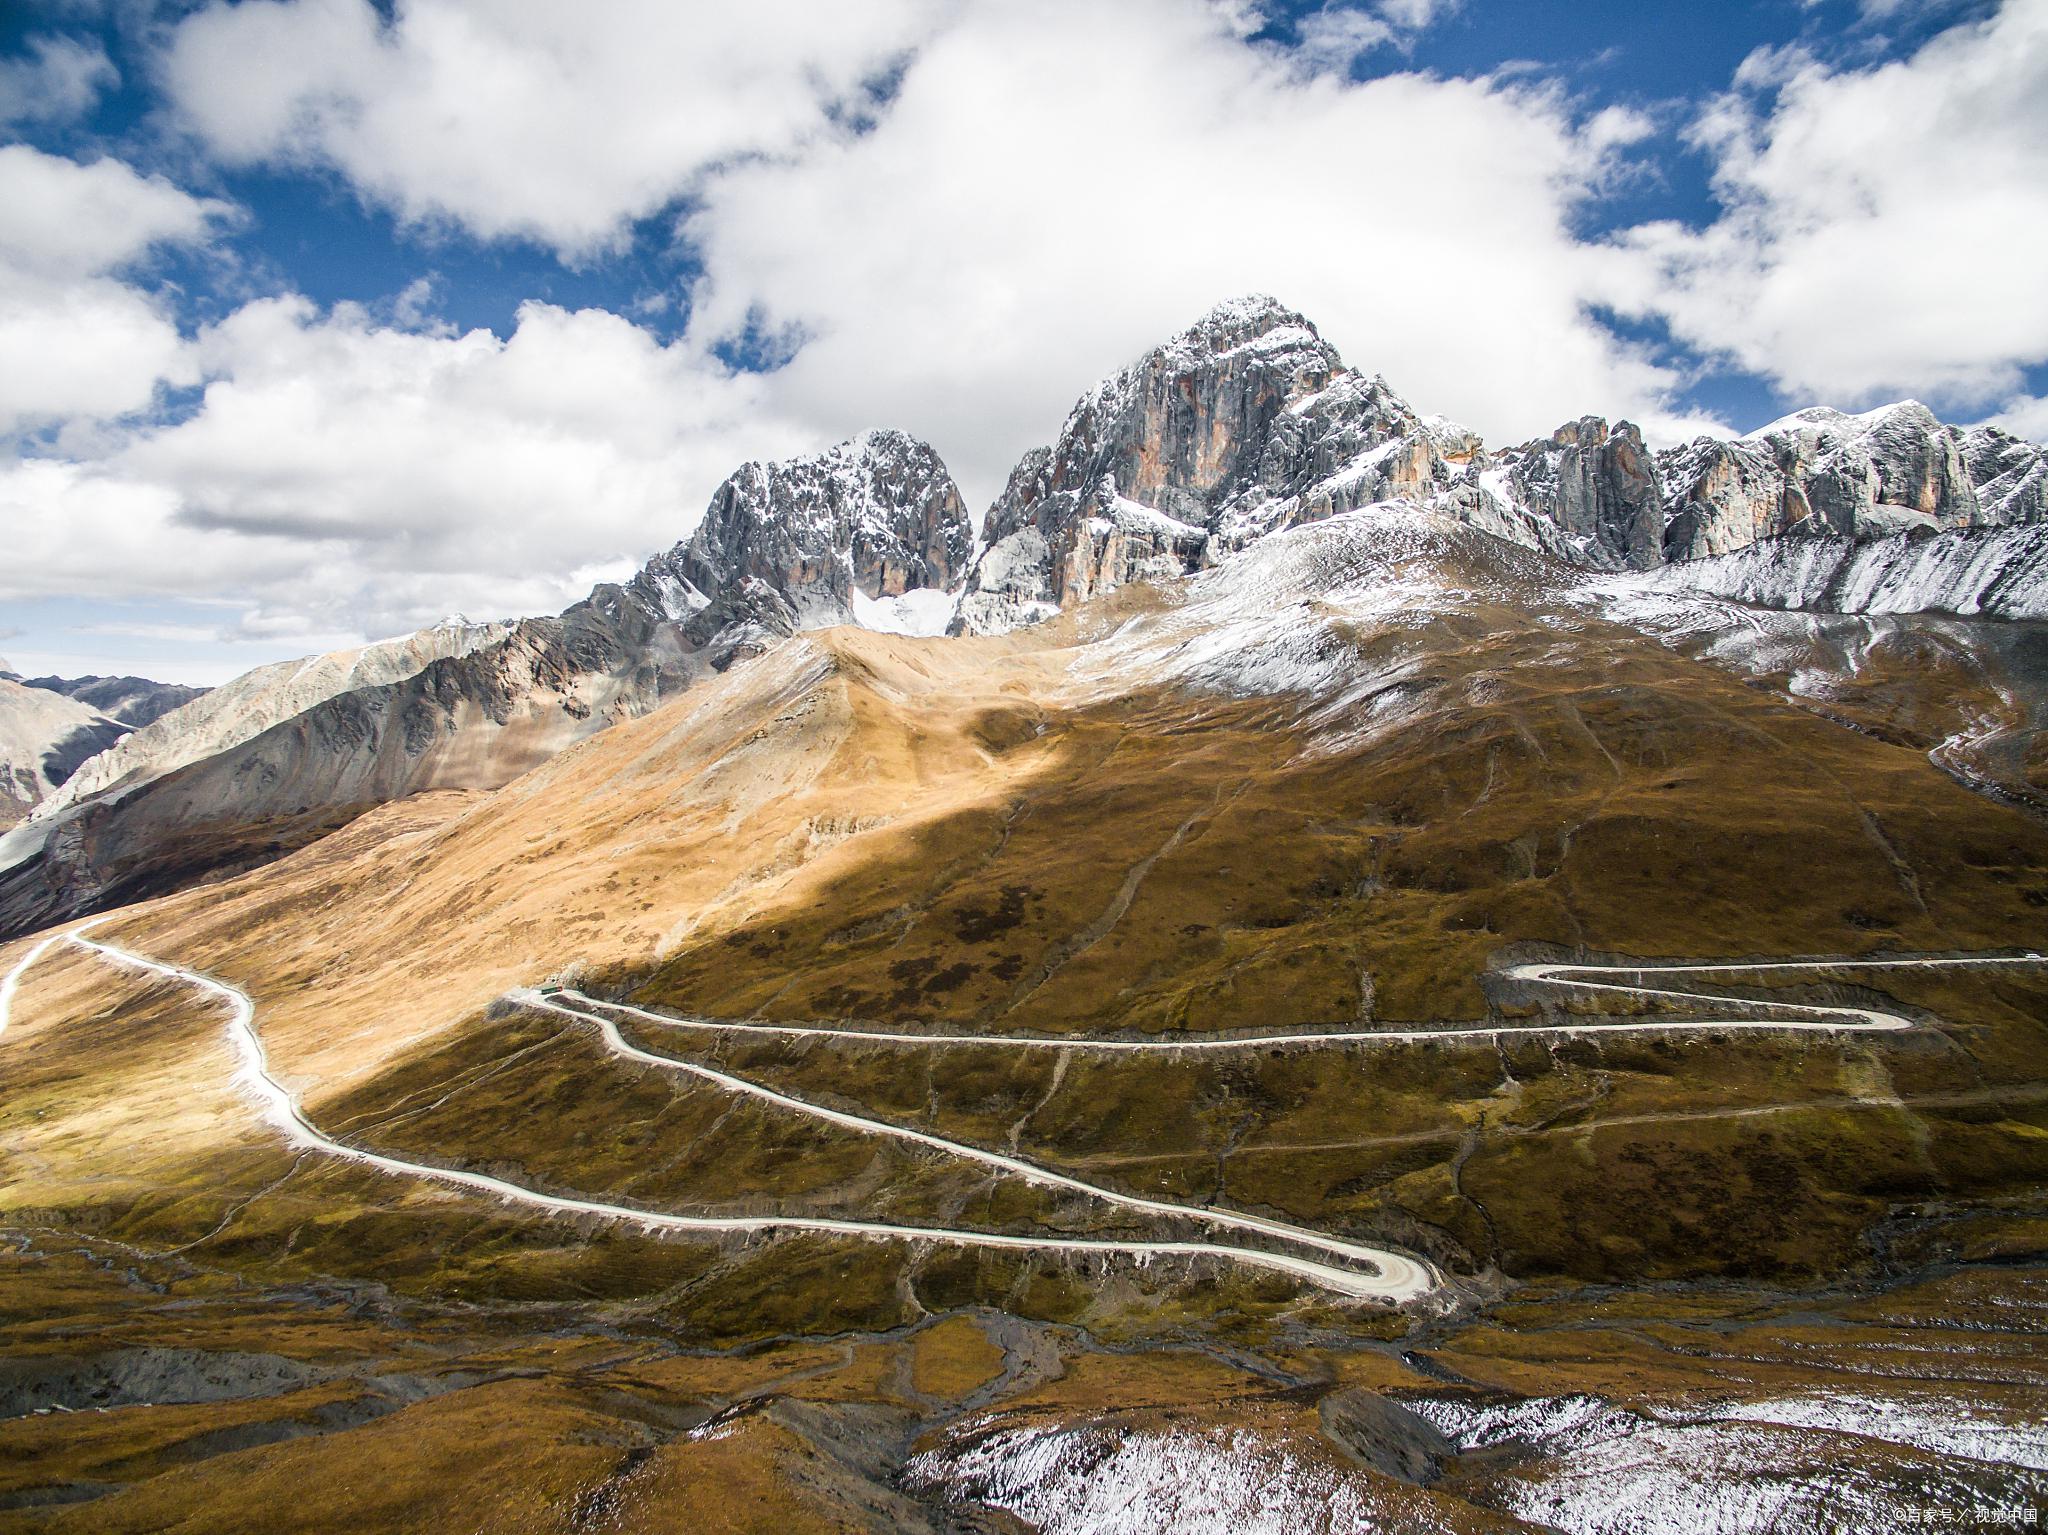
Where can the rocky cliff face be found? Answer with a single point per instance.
(1249, 423)
(1894, 470)
(1243, 425)
(1596, 485)
(878, 516)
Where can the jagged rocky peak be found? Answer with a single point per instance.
(1174, 432)
(1588, 492)
(1249, 423)
(873, 518)
(2010, 475)
(1897, 469)
(1246, 423)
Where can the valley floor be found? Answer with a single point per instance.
(150, 1387)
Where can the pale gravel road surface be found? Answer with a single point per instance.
(1361, 1271)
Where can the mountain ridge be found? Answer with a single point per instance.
(1243, 426)
(1304, 436)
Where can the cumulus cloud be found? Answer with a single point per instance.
(1882, 227)
(77, 341)
(57, 80)
(342, 476)
(1048, 190)
(1036, 194)
(558, 123)
(1054, 188)
(66, 219)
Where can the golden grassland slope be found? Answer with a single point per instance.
(858, 826)
(863, 828)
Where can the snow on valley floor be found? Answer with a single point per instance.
(1091, 1479)
(1794, 1466)
(1820, 1465)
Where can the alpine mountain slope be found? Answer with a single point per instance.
(1316, 975)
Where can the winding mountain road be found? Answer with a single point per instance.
(1346, 1268)
(1799, 1016)
(1390, 1277)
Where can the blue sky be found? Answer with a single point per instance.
(323, 321)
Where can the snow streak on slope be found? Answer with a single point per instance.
(1996, 572)
(1285, 618)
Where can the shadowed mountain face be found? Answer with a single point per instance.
(131, 701)
(44, 737)
(1240, 429)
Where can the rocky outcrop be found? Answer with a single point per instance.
(2009, 474)
(1596, 486)
(878, 516)
(1888, 471)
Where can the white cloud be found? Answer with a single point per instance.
(71, 220)
(1340, 33)
(1414, 15)
(529, 118)
(1056, 188)
(1334, 37)
(2025, 416)
(1883, 227)
(93, 348)
(76, 341)
(346, 478)
(57, 80)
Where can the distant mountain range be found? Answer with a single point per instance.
(1242, 427)
(51, 726)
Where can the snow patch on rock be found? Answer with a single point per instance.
(1995, 572)
(924, 613)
